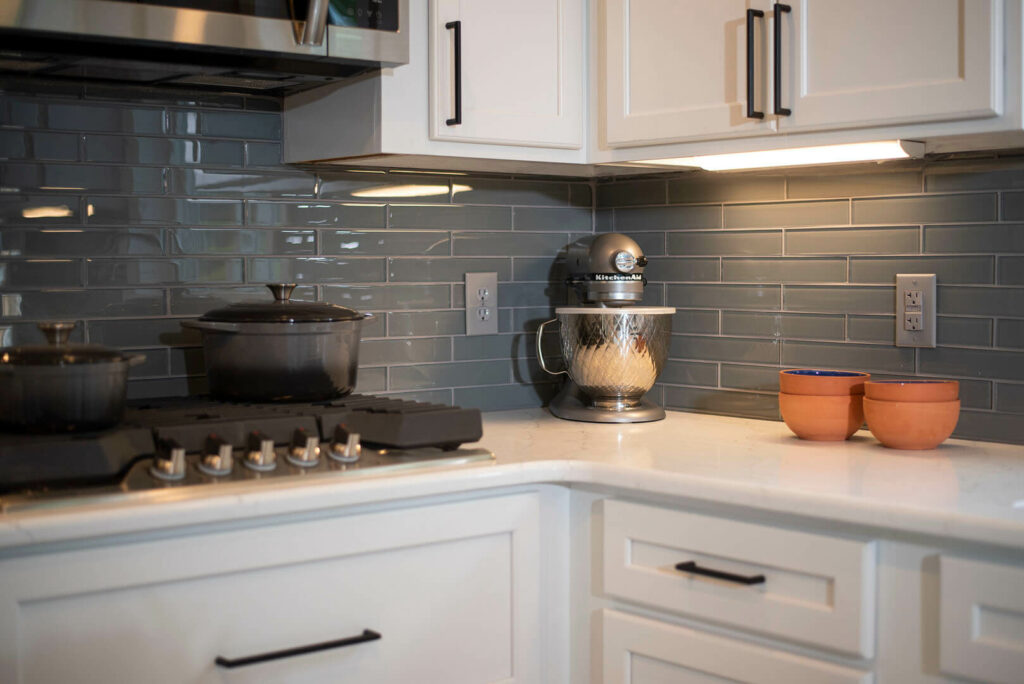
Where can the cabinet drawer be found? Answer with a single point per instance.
(981, 623)
(637, 650)
(816, 589)
(449, 588)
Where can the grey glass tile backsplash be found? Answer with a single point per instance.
(130, 209)
(801, 274)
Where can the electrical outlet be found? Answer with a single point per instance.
(481, 303)
(915, 309)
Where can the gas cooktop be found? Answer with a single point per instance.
(183, 442)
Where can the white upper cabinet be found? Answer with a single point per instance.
(879, 62)
(520, 72)
(676, 70)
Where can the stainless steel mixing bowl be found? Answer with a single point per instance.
(613, 354)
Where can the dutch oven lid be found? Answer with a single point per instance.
(282, 310)
(58, 352)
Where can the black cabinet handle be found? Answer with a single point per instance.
(692, 567)
(367, 635)
(457, 119)
(751, 112)
(779, 109)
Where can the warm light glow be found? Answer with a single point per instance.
(61, 211)
(799, 156)
(407, 191)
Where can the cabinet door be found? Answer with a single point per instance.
(676, 70)
(521, 72)
(453, 590)
(878, 62)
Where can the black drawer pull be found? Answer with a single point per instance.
(751, 112)
(457, 86)
(692, 567)
(779, 9)
(367, 635)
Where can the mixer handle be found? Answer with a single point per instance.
(540, 351)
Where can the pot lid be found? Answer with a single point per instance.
(282, 310)
(58, 352)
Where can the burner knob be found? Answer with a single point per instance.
(260, 455)
(304, 450)
(345, 446)
(217, 459)
(169, 462)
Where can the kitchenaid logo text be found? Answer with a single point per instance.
(616, 276)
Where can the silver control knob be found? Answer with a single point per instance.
(304, 450)
(345, 446)
(169, 462)
(260, 454)
(218, 458)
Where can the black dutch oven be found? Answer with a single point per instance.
(62, 387)
(280, 350)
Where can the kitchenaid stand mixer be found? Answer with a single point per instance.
(613, 349)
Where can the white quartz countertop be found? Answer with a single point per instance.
(963, 490)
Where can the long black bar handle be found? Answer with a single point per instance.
(751, 112)
(779, 10)
(367, 635)
(457, 119)
(693, 568)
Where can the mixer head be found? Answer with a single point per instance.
(607, 270)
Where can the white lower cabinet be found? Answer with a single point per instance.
(453, 590)
(639, 650)
(981, 620)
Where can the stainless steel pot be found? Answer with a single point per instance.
(62, 387)
(613, 354)
(280, 350)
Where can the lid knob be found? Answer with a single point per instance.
(282, 291)
(57, 332)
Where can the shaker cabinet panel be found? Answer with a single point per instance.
(452, 590)
(878, 62)
(676, 70)
(519, 79)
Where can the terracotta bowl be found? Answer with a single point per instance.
(822, 418)
(821, 382)
(911, 424)
(912, 390)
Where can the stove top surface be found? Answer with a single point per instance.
(191, 441)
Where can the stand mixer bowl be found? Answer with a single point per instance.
(613, 355)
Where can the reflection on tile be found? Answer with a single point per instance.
(211, 241)
(853, 241)
(849, 299)
(262, 154)
(38, 146)
(695, 347)
(388, 297)
(241, 125)
(192, 301)
(931, 209)
(973, 363)
(316, 213)
(682, 269)
(16, 334)
(786, 214)
(213, 183)
(115, 119)
(448, 270)
(717, 242)
(385, 243)
(176, 151)
(848, 356)
(965, 269)
(81, 178)
(706, 187)
(725, 296)
(420, 350)
(450, 217)
(56, 242)
(667, 218)
(784, 270)
(38, 210)
(155, 364)
(461, 374)
(468, 190)
(150, 211)
(92, 303)
(40, 273)
(144, 332)
(546, 218)
(789, 326)
(421, 323)
(511, 244)
(376, 186)
(975, 238)
(725, 402)
(315, 270)
(689, 373)
(107, 272)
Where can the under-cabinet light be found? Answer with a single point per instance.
(799, 156)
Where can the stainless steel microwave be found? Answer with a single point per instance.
(201, 42)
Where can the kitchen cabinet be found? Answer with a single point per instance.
(677, 70)
(519, 77)
(453, 589)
